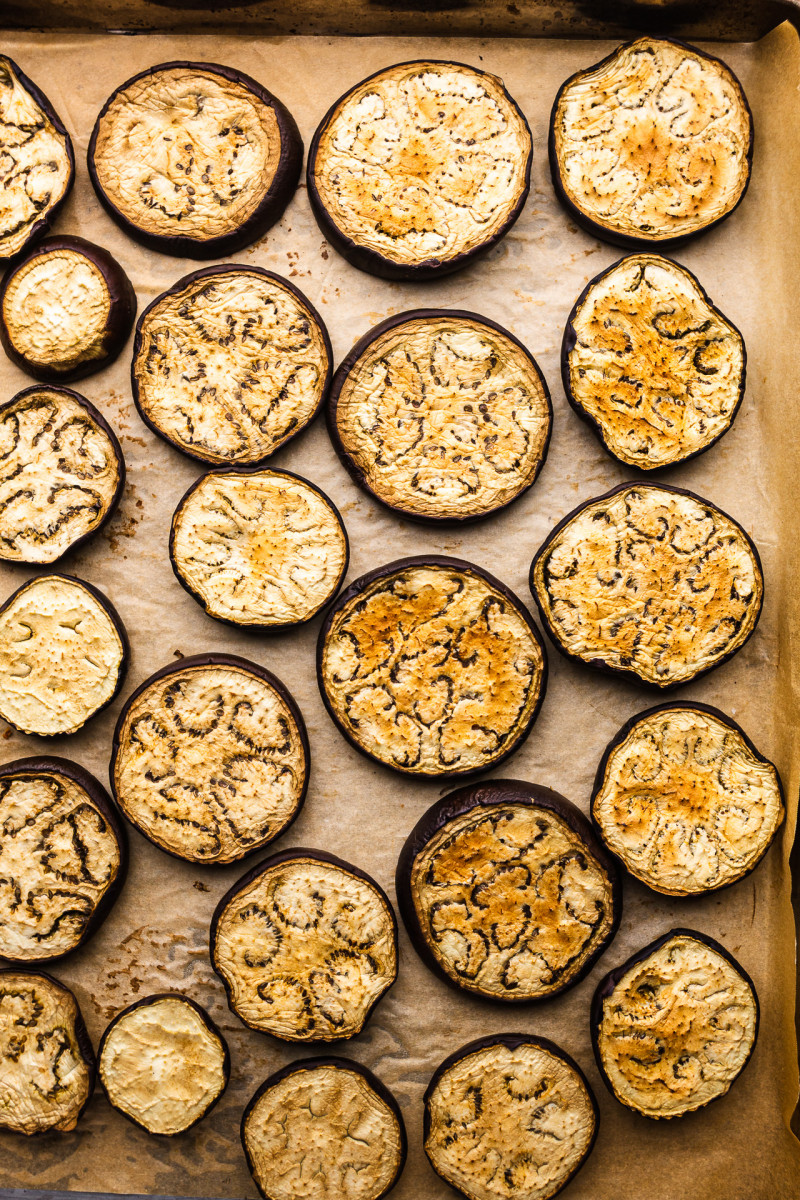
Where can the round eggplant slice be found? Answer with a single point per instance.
(63, 655)
(650, 364)
(163, 1063)
(66, 310)
(47, 1066)
(61, 474)
(419, 169)
(675, 1025)
(258, 548)
(432, 666)
(229, 364)
(210, 759)
(509, 1117)
(506, 892)
(324, 1129)
(649, 582)
(441, 415)
(305, 945)
(194, 159)
(651, 145)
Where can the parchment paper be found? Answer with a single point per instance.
(156, 937)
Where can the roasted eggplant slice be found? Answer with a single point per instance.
(229, 364)
(649, 582)
(419, 169)
(66, 310)
(651, 145)
(324, 1128)
(63, 655)
(258, 548)
(432, 666)
(509, 1117)
(506, 892)
(210, 758)
(649, 362)
(675, 1025)
(47, 1065)
(194, 159)
(441, 415)
(163, 1063)
(306, 945)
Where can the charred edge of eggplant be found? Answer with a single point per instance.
(487, 795)
(628, 241)
(271, 208)
(347, 365)
(370, 260)
(598, 664)
(213, 660)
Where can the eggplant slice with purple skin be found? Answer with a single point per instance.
(509, 1117)
(163, 1063)
(675, 1025)
(419, 169)
(506, 892)
(648, 582)
(306, 946)
(327, 1125)
(651, 145)
(151, 166)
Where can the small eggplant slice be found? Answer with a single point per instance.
(305, 945)
(649, 582)
(163, 1063)
(506, 892)
(194, 159)
(36, 161)
(324, 1128)
(210, 759)
(258, 548)
(441, 415)
(675, 1025)
(63, 655)
(651, 145)
(432, 667)
(419, 169)
(47, 1065)
(650, 364)
(66, 310)
(509, 1117)
(229, 364)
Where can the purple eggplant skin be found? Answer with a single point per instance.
(592, 227)
(347, 365)
(487, 795)
(369, 260)
(214, 660)
(209, 273)
(607, 984)
(208, 1021)
(272, 206)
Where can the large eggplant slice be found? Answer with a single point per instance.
(649, 582)
(210, 758)
(324, 1129)
(509, 1117)
(163, 1063)
(652, 144)
(432, 666)
(194, 159)
(649, 362)
(675, 1025)
(419, 169)
(305, 945)
(441, 415)
(230, 363)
